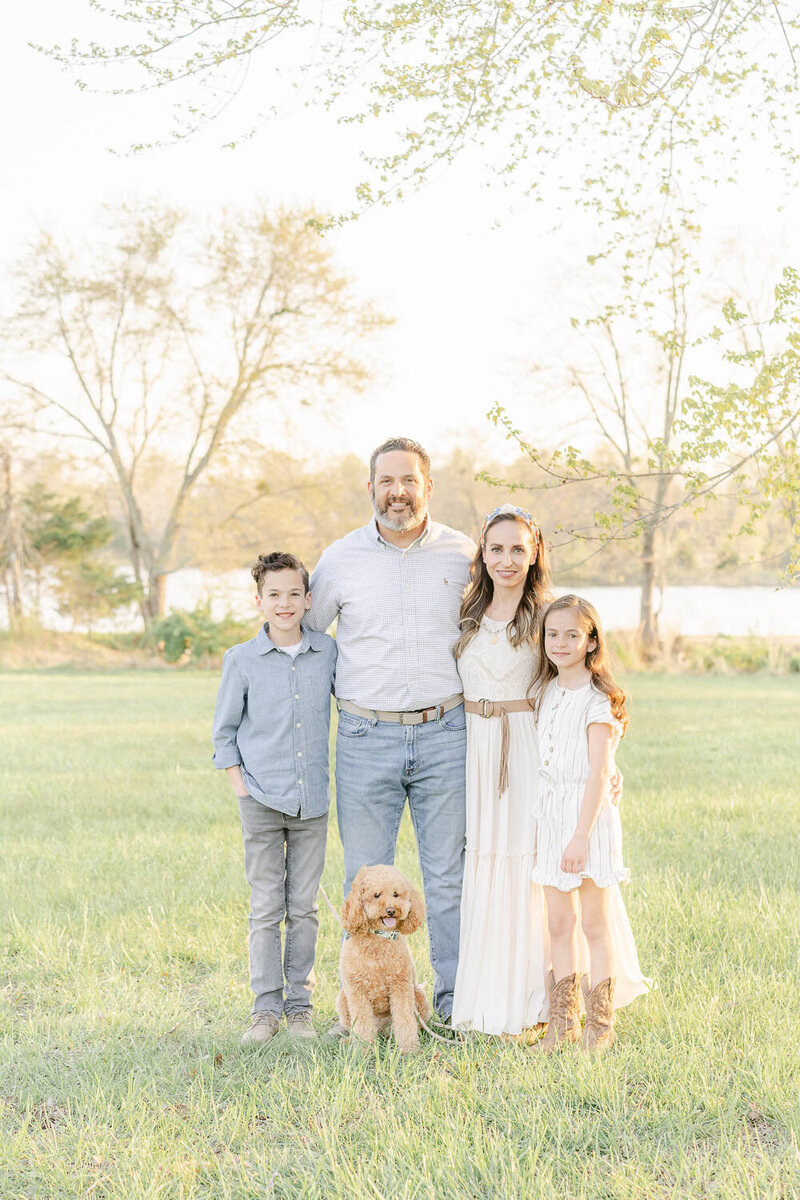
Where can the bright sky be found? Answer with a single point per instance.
(475, 278)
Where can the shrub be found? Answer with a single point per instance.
(625, 652)
(188, 636)
(741, 655)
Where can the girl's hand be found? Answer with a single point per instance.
(615, 787)
(574, 857)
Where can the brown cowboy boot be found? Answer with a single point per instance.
(565, 1020)
(598, 1033)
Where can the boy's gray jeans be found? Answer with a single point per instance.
(283, 861)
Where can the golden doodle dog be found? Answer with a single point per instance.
(379, 983)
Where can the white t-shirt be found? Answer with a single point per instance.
(294, 650)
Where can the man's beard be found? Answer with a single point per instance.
(400, 522)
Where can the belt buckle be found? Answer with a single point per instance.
(436, 709)
(483, 704)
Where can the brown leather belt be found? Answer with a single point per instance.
(419, 716)
(501, 709)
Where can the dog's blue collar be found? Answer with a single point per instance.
(391, 935)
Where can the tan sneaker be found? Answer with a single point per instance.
(299, 1024)
(263, 1027)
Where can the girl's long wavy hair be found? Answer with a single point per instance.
(597, 661)
(535, 593)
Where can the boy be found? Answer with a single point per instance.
(271, 736)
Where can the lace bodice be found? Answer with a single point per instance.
(494, 669)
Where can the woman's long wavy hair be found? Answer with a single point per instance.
(535, 593)
(597, 661)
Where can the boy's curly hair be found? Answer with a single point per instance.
(278, 560)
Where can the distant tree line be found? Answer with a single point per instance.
(68, 533)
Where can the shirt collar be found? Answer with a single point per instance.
(420, 541)
(264, 642)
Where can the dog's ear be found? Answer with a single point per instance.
(354, 918)
(416, 913)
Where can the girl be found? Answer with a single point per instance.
(500, 984)
(580, 714)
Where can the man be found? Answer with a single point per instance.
(395, 586)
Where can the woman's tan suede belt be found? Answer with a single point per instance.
(501, 709)
(419, 717)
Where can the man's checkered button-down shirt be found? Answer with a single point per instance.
(397, 612)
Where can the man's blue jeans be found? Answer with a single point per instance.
(378, 765)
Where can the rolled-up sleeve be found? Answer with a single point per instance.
(228, 714)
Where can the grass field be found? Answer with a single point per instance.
(123, 978)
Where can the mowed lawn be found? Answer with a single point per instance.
(123, 978)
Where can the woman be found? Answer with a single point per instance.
(500, 984)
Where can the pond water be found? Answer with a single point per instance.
(690, 611)
(704, 611)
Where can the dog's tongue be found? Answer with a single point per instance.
(389, 922)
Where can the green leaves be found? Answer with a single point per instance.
(189, 636)
(670, 425)
(755, 415)
(634, 89)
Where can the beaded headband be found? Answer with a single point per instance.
(511, 510)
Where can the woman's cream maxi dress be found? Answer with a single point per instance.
(500, 984)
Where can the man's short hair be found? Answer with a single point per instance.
(276, 561)
(401, 443)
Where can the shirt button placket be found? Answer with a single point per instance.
(415, 631)
(409, 628)
(405, 607)
(298, 736)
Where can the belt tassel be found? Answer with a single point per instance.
(501, 709)
(505, 740)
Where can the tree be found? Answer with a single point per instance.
(171, 338)
(11, 540)
(519, 77)
(637, 418)
(769, 340)
(662, 439)
(57, 537)
(61, 530)
(89, 589)
(625, 366)
(754, 413)
(64, 537)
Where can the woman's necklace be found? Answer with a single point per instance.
(494, 634)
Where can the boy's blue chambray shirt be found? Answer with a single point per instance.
(272, 719)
